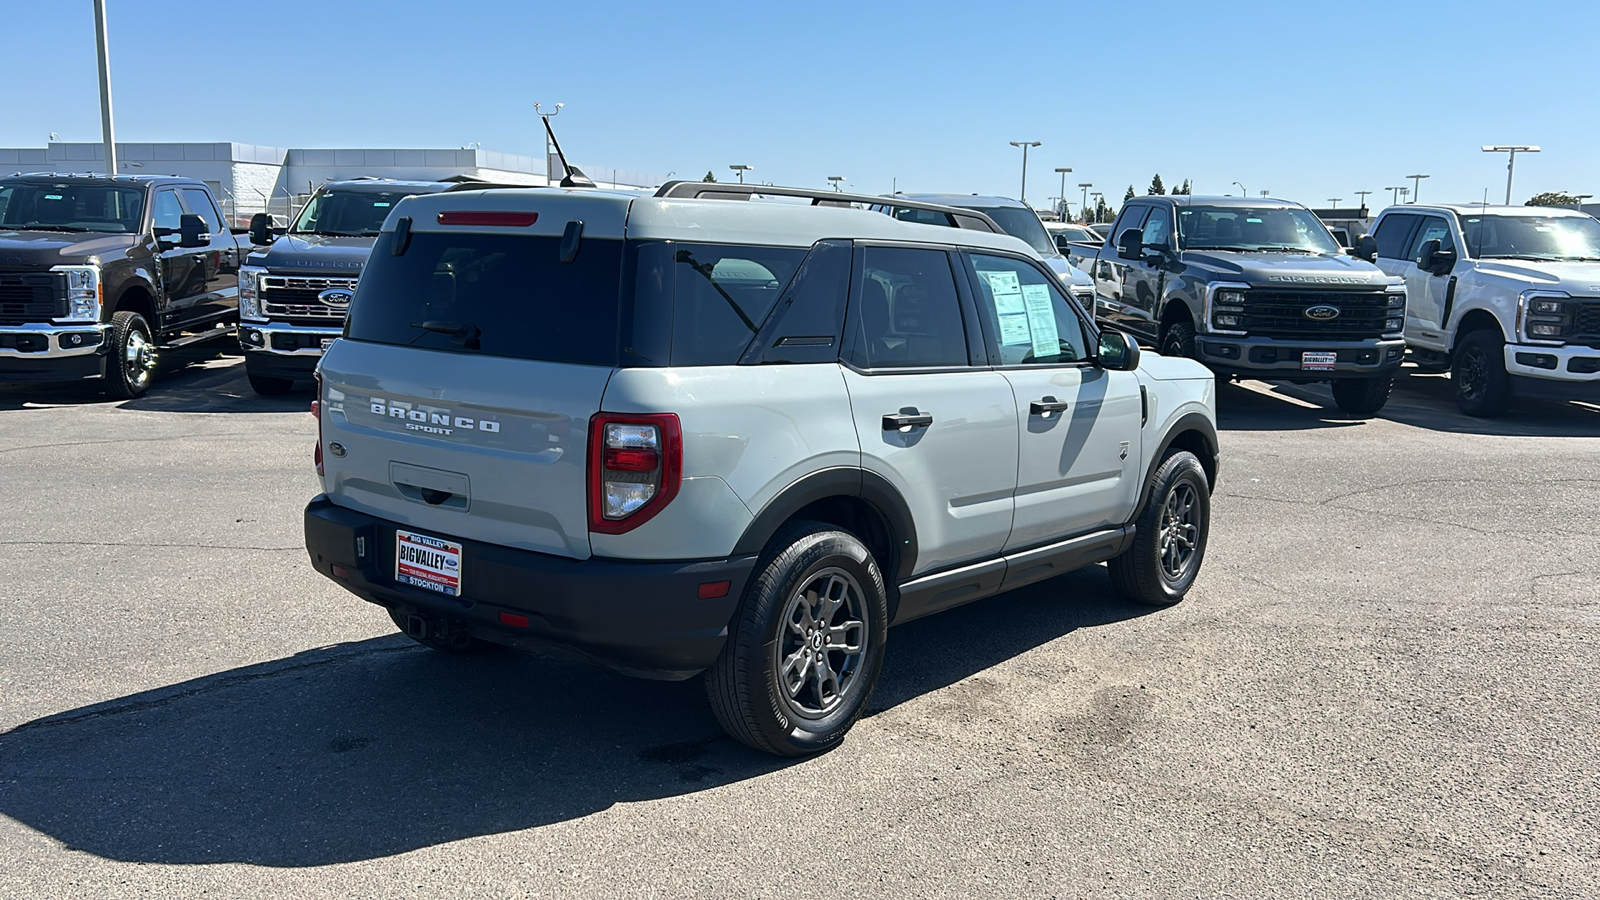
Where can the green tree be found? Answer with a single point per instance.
(1129, 195)
(1156, 187)
(1552, 198)
(1102, 212)
(710, 176)
(1183, 191)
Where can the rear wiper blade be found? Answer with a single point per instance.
(462, 334)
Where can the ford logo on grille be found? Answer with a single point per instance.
(1322, 313)
(341, 297)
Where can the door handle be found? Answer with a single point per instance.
(897, 421)
(1047, 406)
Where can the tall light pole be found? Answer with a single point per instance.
(1085, 204)
(1404, 193)
(549, 173)
(1243, 191)
(1416, 181)
(1511, 163)
(106, 134)
(834, 180)
(741, 169)
(1335, 201)
(1025, 145)
(1363, 196)
(1099, 198)
(1580, 198)
(1063, 198)
(1394, 198)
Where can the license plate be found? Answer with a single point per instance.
(326, 343)
(1315, 361)
(427, 562)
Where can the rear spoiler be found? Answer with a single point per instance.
(955, 217)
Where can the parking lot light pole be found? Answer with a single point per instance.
(1335, 201)
(741, 169)
(1394, 196)
(106, 133)
(1063, 198)
(1580, 198)
(1025, 145)
(1511, 163)
(834, 180)
(1416, 192)
(1243, 191)
(1362, 197)
(1085, 204)
(1404, 193)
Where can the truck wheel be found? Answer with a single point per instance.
(267, 386)
(1179, 340)
(1169, 542)
(133, 356)
(1478, 372)
(438, 634)
(1362, 397)
(805, 650)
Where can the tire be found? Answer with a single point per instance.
(1478, 375)
(267, 386)
(454, 639)
(1177, 511)
(767, 688)
(1362, 397)
(1179, 340)
(132, 362)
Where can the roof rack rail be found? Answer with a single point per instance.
(956, 217)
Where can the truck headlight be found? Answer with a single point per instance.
(1230, 298)
(1226, 311)
(1546, 318)
(1547, 307)
(84, 293)
(250, 292)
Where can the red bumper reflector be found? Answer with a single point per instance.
(509, 219)
(341, 572)
(513, 620)
(711, 590)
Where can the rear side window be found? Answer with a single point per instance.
(1391, 235)
(806, 324)
(908, 313)
(492, 294)
(702, 304)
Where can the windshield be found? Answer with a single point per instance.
(1246, 230)
(100, 208)
(1532, 237)
(347, 213)
(1022, 223)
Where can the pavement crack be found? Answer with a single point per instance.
(144, 545)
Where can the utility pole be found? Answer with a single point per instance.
(1416, 180)
(106, 133)
(1335, 201)
(549, 173)
(1362, 195)
(1511, 163)
(1063, 198)
(1394, 199)
(1085, 204)
(1025, 145)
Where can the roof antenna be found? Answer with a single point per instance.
(1483, 225)
(574, 176)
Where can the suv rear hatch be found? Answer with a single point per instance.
(472, 362)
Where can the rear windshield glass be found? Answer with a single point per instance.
(492, 294)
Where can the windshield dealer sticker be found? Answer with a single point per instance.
(427, 562)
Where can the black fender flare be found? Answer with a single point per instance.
(1187, 422)
(840, 481)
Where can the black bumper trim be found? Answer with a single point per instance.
(278, 365)
(640, 617)
(52, 368)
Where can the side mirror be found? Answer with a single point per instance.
(261, 229)
(1117, 352)
(1425, 254)
(1366, 248)
(1443, 262)
(192, 231)
(1129, 243)
(1156, 252)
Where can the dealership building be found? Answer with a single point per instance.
(250, 178)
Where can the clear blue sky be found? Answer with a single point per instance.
(1308, 100)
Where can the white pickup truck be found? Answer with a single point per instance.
(1506, 297)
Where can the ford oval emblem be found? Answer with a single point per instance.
(337, 449)
(336, 296)
(1322, 313)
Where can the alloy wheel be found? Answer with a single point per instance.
(822, 643)
(1180, 533)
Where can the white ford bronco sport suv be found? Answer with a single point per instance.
(1507, 298)
(682, 435)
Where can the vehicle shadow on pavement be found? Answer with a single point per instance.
(378, 747)
(1422, 401)
(191, 379)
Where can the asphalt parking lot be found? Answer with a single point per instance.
(1382, 685)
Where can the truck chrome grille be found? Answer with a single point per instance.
(295, 297)
(29, 297)
(1283, 314)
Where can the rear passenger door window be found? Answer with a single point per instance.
(907, 313)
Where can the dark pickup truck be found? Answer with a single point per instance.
(98, 273)
(295, 288)
(1253, 288)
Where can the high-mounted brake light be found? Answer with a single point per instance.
(635, 468)
(486, 217)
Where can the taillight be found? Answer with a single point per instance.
(635, 468)
(316, 413)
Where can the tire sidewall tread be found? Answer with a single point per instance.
(1136, 574)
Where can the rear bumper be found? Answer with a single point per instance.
(641, 618)
(277, 365)
(1280, 358)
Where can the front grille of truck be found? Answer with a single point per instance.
(293, 299)
(1586, 323)
(1282, 314)
(28, 298)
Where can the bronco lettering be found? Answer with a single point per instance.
(430, 421)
